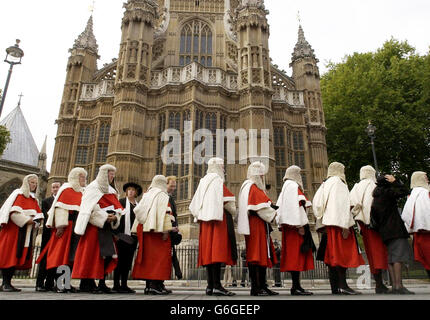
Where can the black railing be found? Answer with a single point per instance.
(188, 258)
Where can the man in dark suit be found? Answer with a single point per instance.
(175, 236)
(45, 279)
(126, 243)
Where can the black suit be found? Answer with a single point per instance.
(45, 278)
(173, 207)
(175, 224)
(125, 250)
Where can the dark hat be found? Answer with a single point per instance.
(133, 185)
(382, 181)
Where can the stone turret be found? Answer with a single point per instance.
(81, 66)
(255, 80)
(130, 121)
(306, 75)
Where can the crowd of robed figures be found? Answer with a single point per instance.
(93, 232)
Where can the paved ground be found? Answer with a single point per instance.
(193, 293)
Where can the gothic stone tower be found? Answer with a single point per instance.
(204, 62)
(132, 141)
(255, 83)
(70, 144)
(307, 79)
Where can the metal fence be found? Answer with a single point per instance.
(188, 259)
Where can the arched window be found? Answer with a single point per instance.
(196, 44)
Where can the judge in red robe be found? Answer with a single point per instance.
(416, 215)
(361, 203)
(20, 215)
(100, 212)
(339, 248)
(297, 243)
(256, 213)
(214, 207)
(62, 216)
(152, 225)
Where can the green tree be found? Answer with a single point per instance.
(4, 138)
(390, 87)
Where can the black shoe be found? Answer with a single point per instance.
(209, 291)
(104, 289)
(259, 293)
(9, 288)
(349, 292)
(382, 290)
(242, 285)
(126, 290)
(155, 292)
(165, 290)
(96, 290)
(116, 289)
(222, 292)
(270, 292)
(402, 291)
(41, 289)
(61, 290)
(300, 292)
(73, 290)
(146, 291)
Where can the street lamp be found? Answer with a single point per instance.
(14, 56)
(370, 130)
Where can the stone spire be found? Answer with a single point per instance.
(86, 39)
(43, 156)
(303, 49)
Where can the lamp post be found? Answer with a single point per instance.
(14, 56)
(370, 130)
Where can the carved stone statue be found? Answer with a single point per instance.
(256, 3)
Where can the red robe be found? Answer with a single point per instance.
(256, 242)
(58, 249)
(342, 252)
(9, 239)
(376, 250)
(89, 264)
(422, 249)
(214, 242)
(292, 258)
(154, 257)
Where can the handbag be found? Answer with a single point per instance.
(176, 238)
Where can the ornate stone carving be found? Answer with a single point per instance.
(86, 39)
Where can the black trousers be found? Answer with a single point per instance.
(277, 274)
(8, 275)
(125, 260)
(244, 274)
(214, 276)
(45, 278)
(257, 274)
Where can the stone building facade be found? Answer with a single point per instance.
(203, 61)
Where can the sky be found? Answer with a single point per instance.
(48, 28)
